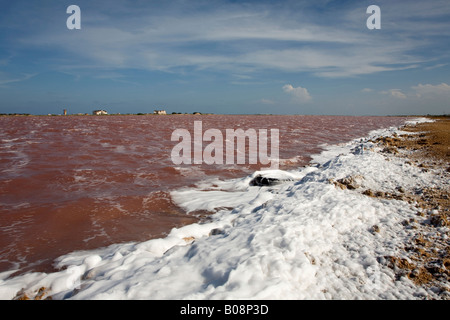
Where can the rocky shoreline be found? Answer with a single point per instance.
(428, 251)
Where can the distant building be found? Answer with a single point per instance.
(159, 112)
(65, 112)
(99, 112)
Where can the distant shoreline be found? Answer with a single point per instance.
(212, 114)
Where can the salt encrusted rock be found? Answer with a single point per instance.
(369, 193)
(347, 183)
(375, 229)
(380, 194)
(390, 149)
(216, 231)
(439, 220)
(41, 294)
(267, 181)
(189, 239)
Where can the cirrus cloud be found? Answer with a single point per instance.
(228, 38)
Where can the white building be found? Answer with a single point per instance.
(159, 112)
(99, 112)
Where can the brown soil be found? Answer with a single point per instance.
(431, 142)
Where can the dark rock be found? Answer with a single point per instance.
(380, 194)
(439, 220)
(216, 231)
(375, 229)
(266, 181)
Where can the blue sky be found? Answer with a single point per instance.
(232, 57)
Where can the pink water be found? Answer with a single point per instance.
(82, 182)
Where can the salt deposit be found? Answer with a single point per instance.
(301, 239)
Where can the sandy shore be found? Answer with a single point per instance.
(425, 257)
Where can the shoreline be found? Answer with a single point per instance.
(215, 114)
(425, 257)
(422, 257)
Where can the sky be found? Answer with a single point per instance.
(225, 57)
